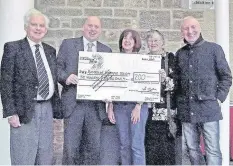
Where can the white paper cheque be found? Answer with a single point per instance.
(118, 77)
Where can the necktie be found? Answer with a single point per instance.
(89, 47)
(43, 79)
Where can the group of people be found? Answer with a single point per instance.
(194, 82)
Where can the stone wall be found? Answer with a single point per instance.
(67, 17)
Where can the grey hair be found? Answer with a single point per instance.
(189, 18)
(34, 12)
(152, 31)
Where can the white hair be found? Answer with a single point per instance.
(34, 12)
(152, 31)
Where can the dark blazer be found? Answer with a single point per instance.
(67, 64)
(202, 76)
(19, 80)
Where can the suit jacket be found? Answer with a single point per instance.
(67, 64)
(19, 82)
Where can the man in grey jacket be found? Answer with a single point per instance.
(203, 80)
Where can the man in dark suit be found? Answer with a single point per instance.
(29, 93)
(83, 118)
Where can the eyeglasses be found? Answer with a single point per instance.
(153, 40)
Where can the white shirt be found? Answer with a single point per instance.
(85, 44)
(47, 68)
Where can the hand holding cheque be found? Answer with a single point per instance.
(72, 79)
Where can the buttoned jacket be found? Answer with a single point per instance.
(202, 76)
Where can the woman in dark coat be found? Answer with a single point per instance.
(159, 142)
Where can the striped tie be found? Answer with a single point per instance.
(89, 47)
(43, 79)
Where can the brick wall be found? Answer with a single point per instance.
(67, 17)
(58, 141)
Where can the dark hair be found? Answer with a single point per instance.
(152, 31)
(136, 38)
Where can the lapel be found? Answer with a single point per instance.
(28, 56)
(79, 45)
(99, 48)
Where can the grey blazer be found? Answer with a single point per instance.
(67, 64)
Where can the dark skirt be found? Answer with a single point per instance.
(160, 146)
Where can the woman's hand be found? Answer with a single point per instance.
(135, 115)
(169, 84)
(107, 101)
(162, 75)
(110, 112)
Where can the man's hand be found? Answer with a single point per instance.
(14, 121)
(72, 79)
(135, 115)
(111, 115)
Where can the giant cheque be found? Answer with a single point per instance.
(118, 77)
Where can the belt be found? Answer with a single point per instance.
(42, 101)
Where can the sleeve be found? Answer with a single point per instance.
(176, 73)
(7, 81)
(62, 74)
(171, 65)
(223, 73)
(57, 108)
(110, 50)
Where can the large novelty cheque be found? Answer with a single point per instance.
(118, 77)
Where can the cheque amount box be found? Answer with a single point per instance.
(146, 77)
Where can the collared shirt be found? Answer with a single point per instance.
(47, 68)
(85, 44)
